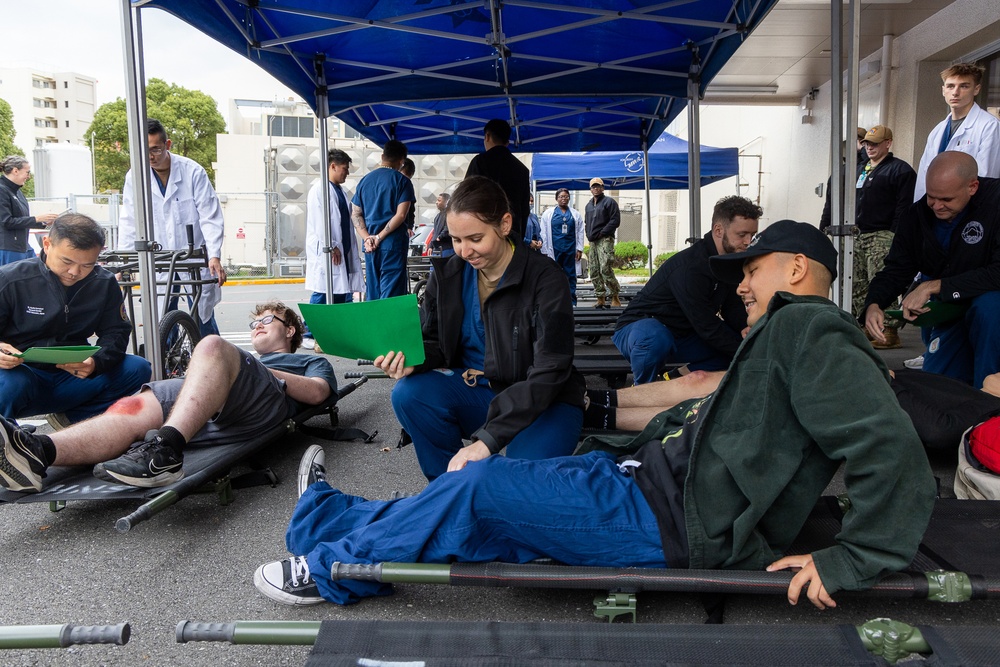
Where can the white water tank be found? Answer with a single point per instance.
(61, 170)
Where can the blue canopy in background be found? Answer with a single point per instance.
(668, 167)
(569, 75)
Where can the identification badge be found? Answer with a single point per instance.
(565, 228)
(861, 179)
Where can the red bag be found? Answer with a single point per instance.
(984, 443)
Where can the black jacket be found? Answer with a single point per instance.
(499, 164)
(15, 219)
(885, 196)
(970, 267)
(687, 299)
(602, 218)
(529, 340)
(34, 311)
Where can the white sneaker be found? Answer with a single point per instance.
(311, 468)
(916, 363)
(308, 343)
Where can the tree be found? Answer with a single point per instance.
(190, 117)
(7, 145)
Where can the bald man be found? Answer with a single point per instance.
(720, 483)
(953, 241)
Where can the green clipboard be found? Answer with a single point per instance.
(65, 354)
(368, 329)
(940, 312)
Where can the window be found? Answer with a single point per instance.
(67, 123)
(66, 104)
(291, 126)
(989, 96)
(65, 84)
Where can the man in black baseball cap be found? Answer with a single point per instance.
(799, 259)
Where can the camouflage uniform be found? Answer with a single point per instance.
(602, 272)
(869, 257)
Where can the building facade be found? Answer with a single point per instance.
(49, 107)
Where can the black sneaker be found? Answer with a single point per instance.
(22, 461)
(287, 581)
(311, 468)
(148, 464)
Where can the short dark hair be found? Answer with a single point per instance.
(408, 167)
(566, 190)
(727, 208)
(289, 316)
(970, 70)
(82, 232)
(12, 162)
(394, 150)
(482, 197)
(445, 196)
(154, 126)
(499, 130)
(337, 156)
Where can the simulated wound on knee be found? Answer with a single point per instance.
(130, 405)
(601, 409)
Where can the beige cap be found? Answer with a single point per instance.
(878, 134)
(596, 181)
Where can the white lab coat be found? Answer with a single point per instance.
(316, 261)
(546, 231)
(188, 199)
(978, 135)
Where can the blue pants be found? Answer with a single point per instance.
(385, 269)
(26, 390)
(11, 256)
(566, 259)
(969, 349)
(580, 510)
(438, 410)
(648, 345)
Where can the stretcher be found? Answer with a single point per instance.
(948, 566)
(204, 467)
(544, 644)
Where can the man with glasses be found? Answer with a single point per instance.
(182, 196)
(227, 396)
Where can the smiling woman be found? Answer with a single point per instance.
(498, 337)
(15, 218)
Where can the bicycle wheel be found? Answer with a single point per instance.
(179, 334)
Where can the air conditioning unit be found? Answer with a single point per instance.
(291, 269)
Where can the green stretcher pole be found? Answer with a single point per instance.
(62, 636)
(891, 639)
(285, 633)
(371, 375)
(937, 586)
(146, 510)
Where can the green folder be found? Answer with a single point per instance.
(66, 354)
(368, 329)
(940, 312)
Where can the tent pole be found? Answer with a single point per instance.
(135, 104)
(836, 193)
(322, 113)
(649, 213)
(851, 168)
(694, 157)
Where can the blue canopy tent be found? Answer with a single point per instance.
(578, 75)
(668, 167)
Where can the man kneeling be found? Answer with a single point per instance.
(227, 396)
(725, 481)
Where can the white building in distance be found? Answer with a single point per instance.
(48, 107)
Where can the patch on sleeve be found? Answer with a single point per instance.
(123, 313)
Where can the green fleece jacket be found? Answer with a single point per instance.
(805, 394)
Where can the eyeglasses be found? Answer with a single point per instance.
(264, 321)
(158, 151)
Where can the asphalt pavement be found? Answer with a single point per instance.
(196, 559)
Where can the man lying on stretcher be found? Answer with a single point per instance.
(227, 396)
(725, 482)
